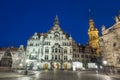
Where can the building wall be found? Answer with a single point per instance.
(93, 34)
(110, 44)
(53, 47)
(18, 56)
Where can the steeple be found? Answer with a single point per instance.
(93, 34)
(56, 25)
(91, 22)
(56, 21)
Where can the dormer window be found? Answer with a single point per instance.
(114, 44)
(56, 35)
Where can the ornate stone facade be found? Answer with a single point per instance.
(84, 54)
(93, 36)
(50, 50)
(110, 44)
(16, 55)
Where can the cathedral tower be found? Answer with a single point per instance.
(93, 36)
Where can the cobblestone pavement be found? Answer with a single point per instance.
(64, 75)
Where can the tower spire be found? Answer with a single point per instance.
(90, 14)
(56, 21)
(91, 22)
(93, 34)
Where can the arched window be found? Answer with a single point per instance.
(56, 50)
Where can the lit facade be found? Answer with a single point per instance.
(53, 50)
(93, 34)
(84, 54)
(50, 50)
(110, 44)
(17, 57)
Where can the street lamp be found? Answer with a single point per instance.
(96, 67)
(26, 71)
(38, 66)
(105, 63)
(21, 65)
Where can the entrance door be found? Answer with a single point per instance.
(6, 60)
(57, 66)
(65, 66)
(45, 66)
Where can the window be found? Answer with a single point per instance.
(46, 43)
(31, 44)
(83, 60)
(56, 50)
(59, 50)
(65, 57)
(52, 50)
(65, 50)
(70, 50)
(63, 43)
(114, 44)
(46, 57)
(86, 56)
(37, 44)
(55, 57)
(75, 55)
(46, 50)
(59, 57)
(82, 56)
(50, 36)
(52, 57)
(33, 50)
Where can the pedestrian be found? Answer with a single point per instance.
(111, 71)
(115, 70)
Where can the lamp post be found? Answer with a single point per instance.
(38, 66)
(21, 66)
(105, 63)
(26, 71)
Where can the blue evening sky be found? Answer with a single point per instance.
(19, 19)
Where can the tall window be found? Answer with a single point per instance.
(59, 50)
(70, 51)
(46, 57)
(59, 57)
(52, 50)
(33, 50)
(65, 50)
(65, 57)
(52, 57)
(56, 50)
(55, 57)
(46, 50)
(31, 44)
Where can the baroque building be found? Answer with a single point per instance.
(54, 49)
(50, 50)
(110, 44)
(84, 54)
(93, 34)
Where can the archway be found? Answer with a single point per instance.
(6, 61)
(45, 66)
(65, 66)
(57, 66)
(31, 66)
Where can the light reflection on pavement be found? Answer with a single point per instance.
(63, 75)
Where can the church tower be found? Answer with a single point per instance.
(93, 36)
